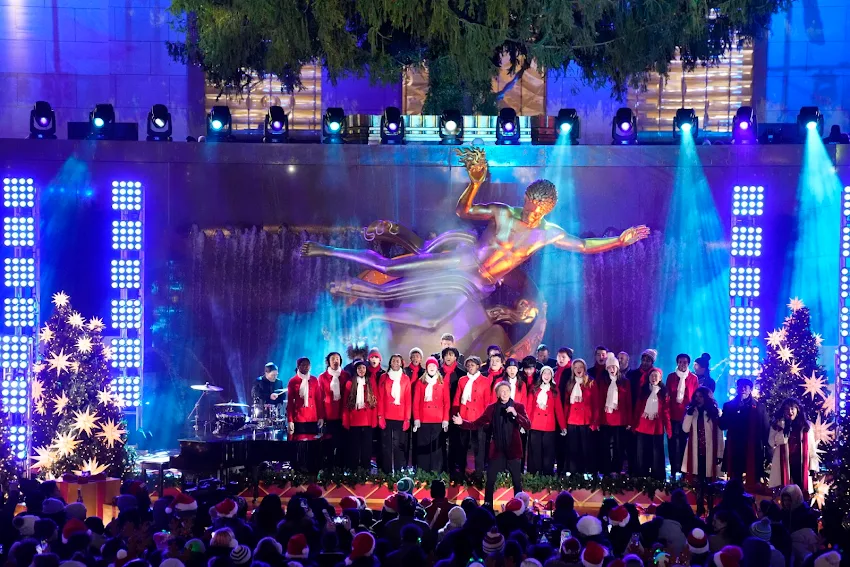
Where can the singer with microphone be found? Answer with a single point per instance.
(506, 417)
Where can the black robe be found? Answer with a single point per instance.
(747, 428)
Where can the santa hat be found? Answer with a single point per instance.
(361, 503)
(297, 547)
(828, 559)
(524, 498)
(363, 545)
(698, 541)
(184, 503)
(133, 487)
(25, 524)
(313, 491)
(413, 350)
(589, 526)
(651, 353)
(227, 508)
(349, 503)
(729, 556)
(432, 360)
(619, 516)
(593, 555)
(391, 503)
(571, 550)
(73, 526)
(374, 352)
(516, 506)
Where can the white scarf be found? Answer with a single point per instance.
(429, 386)
(680, 391)
(335, 382)
(650, 411)
(612, 397)
(512, 382)
(575, 395)
(395, 391)
(543, 396)
(304, 390)
(467, 390)
(360, 401)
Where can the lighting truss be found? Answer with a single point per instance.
(20, 307)
(842, 357)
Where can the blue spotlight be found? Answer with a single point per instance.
(219, 124)
(810, 119)
(451, 127)
(568, 126)
(333, 126)
(686, 122)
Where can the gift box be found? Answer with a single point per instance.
(98, 495)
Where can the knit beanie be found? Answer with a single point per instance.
(76, 510)
(297, 547)
(241, 555)
(698, 541)
(729, 556)
(195, 546)
(828, 559)
(25, 524)
(52, 507)
(589, 526)
(405, 484)
(415, 349)
(493, 542)
(571, 550)
(432, 360)
(593, 555)
(651, 353)
(374, 352)
(126, 502)
(761, 529)
(363, 545)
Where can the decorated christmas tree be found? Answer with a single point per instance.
(791, 370)
(77, 421)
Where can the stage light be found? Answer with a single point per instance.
(219, 124)
(18, 231)
(159, 124)
(333, 126)
(745, 126)
(745, 282)
(744, 321)
(42, 121)
(568, 126)
(19, 272)
(392, 126)
(507, 127)
(18, 193)
(126, 195)
(686, 122)
(743, 360)
(14, 352)
(275, 126)
(127, 235)
(127, 353)
(126, 313)
(19, 312)
(810, 119)
(126, 274)
(451, 127)
(102, 122)
(748, 201)
(746, 241)
(624, 127)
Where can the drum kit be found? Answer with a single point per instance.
(233, 417)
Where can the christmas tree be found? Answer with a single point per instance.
(791, 370)
(77, 422)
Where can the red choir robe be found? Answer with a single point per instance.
(620, 417)
(550, 418)
(333, 408)
(353, 417)
(475, 407)
(297, 411)
(435, 411)
(387, 409)
(677, 410)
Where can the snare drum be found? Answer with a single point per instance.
(228, 422)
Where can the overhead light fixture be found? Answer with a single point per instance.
(102, 122)
(507, 127)
(451, 127)
(275, 126)
(392, 126)
(624, 127)
(745, 126)
(333, 125)
(568, 126)
(159, 124)
(42, 121)
(685, 122)
(809, 120)
(219, 124)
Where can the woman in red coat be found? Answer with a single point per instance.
(651, 422)
(431, 405)
(546, 414)
(332, 383)
(681, 385)
(614, 415)
(360, 417)
(577, 394)
(394, 409)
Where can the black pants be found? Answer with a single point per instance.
(497, 465)
(541, 452)
(580, 449)
(428, 455)
(307, 456)
(393, 446)
(360, 448)
(631, 451)
(676, 446)
(612, 446)
(446, 448)
(475, 440)
(333, 449)
(650, 456)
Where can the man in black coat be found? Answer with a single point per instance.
(745, 420)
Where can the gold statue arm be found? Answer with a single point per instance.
(475, 162)
(569, 242)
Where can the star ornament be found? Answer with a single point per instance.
(84, 344)
(65, 444)
(76, 320)
(111, 433)
(39, 408)
(59, 362)
(36, 390)
(104, 397)
(46, 334)
(795, 304)
(814, 385)
(59, 403)
(108, 354)
(37, 368)
(785, 354)
(776, 338)
(818, 339)
(822, 489)
(91, 467)
(828, 405)
(96, 324)
(823, 431)
(85, 421)
(43, 459)
(795, 369)
(60, 299)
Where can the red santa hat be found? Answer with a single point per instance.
(363, 545)
(619, 516)
(571, 550)
(589, 526)
(227, 508)
(593, 555)
(729, 556)
(432, 360)
(374, 352)
(391, 503)
(184, 503)
(516, 506)
(313, 491)
(349, 503)
(698, 541)
(73, 526)
(297, 547)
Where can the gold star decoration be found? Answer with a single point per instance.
(785, 354)
(823, 431)
(39, 408)
(91, 467)
(828, 405)
(37, 368)
(65, 444)
(818, 339)
(814, 385)
(46, 334)
(104, 397)
(795, 304)
(36, 390)
(59, 403)
(795, 369)
(60, 299)
(107, 352)
(821, 492)
(85, 421)
(776, 337)
(74, 366)
(84, 344)
(59, 362)
(76, 320)
(43, 459)
(96, 324)
(111, 432)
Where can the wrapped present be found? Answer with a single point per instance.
(98, 495)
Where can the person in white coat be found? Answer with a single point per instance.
(795, 456)
(704, 444)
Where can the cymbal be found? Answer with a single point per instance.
(206, 388)
(231, 405)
